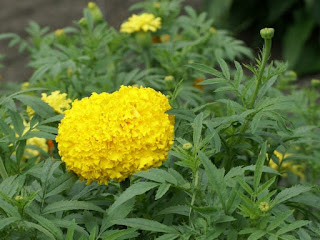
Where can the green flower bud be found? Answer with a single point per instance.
(264, 206)
(83, 22)
(267, 33)
(18, 198)
(169, 81)
(95, 12)
(60, 35)
(315, 83)
(187, 146)
(144, 39)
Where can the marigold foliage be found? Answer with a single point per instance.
(144, 22)
(112, 136)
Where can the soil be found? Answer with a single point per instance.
(15, 17)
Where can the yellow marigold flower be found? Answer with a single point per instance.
(112, 136)
(35, 141)
(144, 22)
(287, 166)
(58, 101)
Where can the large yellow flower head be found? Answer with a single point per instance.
(112, 136)
(141, 23)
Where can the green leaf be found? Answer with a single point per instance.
(245, 185)
(258, 234)
(180, 210)
(279, 220)
(47, 129)
(265, 186)
(7, 130)
(238, 75)
(292, 226)
(39, 106)
(70, 231)
(168, 236)
(46, 224)
(259, 165)
(132, 191)
(157, 175)
(9, 209)
(197, 128)
(215, 177)
(38, 134)
(60, 184)
(120, 234)
(289, 193)
(39, 228)
(205, 69)
(57, 118)
(147, 225)
(71, 205)
(17, 122)
(163, 188)
(7, 221)
(224, 67)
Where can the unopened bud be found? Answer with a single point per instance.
(156, 5)
(267, 33)
(315, 83)
(18, 198)
(264, 206)
(83, 22)
(212, 30)
(60, 35)
(187, 146)
(95, 12)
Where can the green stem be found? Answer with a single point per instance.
(146, 56)
(265, 57)
(3, 171)
(195, 189)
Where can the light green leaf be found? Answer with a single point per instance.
(289, 193)
(224, 67)
(257, 235)
(292, 226)
(168, 236)
(180, 210)
(197, 128)
(120, 234)
(17, 122)
(279, 220)
(157, 175)
(40, 228)
(205, 69)
(7, 221)
(259, 165)
(39, 106)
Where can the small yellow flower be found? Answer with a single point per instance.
(58, 101)
(156, 5)
(264, 206)
(112, 136)
(25, 85)
(212, 30)
(141, 23)
(91, 5)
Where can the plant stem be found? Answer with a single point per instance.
(195, 189)
(3, 171)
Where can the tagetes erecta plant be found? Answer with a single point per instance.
(112, 136)
(141, 23)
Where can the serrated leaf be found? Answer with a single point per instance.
(259, 166)
(224, 67)
(39, 228)
(71, 205)
(7, 221)
(132, 191)
(258, 234)
(44, 222)
(17, 122)
(289, 193)
(168, 236)
(180, 210)
(57, 118)
(292, 226)
(147, 225)
(162, 190)
(265, 186)
(205, 69)
(39, 106)
(70, 231)
(120, 234)
(215, 177)
(197, 129)
(157, 175)
(279, 220)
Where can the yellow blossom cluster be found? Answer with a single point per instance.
(141, 23)
(58, 101)
(112, 136)
(287, 166)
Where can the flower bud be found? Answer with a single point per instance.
(264, 206)
(156, 5)
(83, 22)
(95, 12)
(213, 30)
(169, 81)
(60, 35)
(18, 198)
(144, 39)
(315, 83)
(267, 33)
(187, 146)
